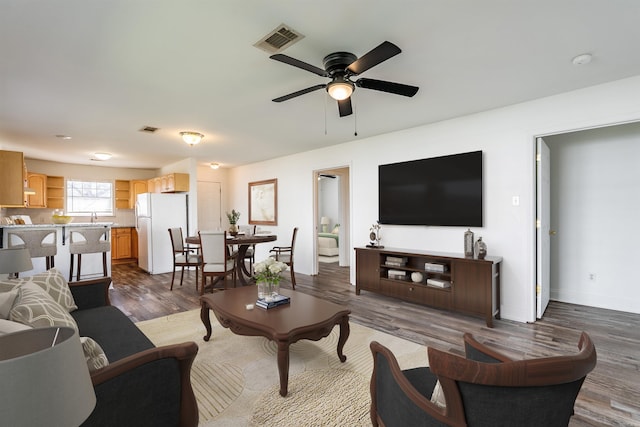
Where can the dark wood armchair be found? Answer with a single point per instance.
(484, 389)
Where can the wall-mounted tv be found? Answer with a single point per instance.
(445, 191)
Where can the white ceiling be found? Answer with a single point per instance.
(99, 71)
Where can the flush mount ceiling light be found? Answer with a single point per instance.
(65, 137)
(215, 165)
(340, 88)
(582, 59)
(101, 156)
(191, 138)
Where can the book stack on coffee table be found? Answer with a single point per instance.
(276, 301)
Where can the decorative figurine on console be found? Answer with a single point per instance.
(374, 236)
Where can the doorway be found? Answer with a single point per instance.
(593, 177)
(332, 219)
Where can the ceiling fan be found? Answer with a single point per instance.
(340, 67)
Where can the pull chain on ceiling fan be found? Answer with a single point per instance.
(339, 67)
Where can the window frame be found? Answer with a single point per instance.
(69, 197)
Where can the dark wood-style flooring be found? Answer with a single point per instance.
(610, 395)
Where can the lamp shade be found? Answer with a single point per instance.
(15, 260)
(340, 89)
(325, 220)
(45, 379)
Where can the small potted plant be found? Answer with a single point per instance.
(233, 218)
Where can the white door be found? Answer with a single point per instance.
(543, 228)
(210, 206)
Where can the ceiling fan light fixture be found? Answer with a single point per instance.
(192, 138)
(340, 89)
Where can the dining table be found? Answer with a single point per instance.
(244, 242)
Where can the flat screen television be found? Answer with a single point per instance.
(444, 191)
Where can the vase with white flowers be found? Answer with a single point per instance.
(267, 276)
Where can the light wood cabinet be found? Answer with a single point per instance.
(121, 243)
(55, 192)
(136, 187)
(37, 182)
(122, 194)
(12, 178)
(445, 281)
(169, 183)
(175, 182)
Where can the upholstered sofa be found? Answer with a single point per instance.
(136, 383)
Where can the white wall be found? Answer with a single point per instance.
(507, 138)
(594, 209)
(328, 193)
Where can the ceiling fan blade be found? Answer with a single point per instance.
(298, 93)
(344, 107)
(390, 87)
(297, 63)
(372, 58)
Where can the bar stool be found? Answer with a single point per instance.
(92, 242)
(34, 241)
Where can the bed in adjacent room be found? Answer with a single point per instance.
(328, 243)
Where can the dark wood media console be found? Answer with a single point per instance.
(446, 281)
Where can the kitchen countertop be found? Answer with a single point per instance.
(71, 224)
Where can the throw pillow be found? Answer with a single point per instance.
(9, 327)
(54, 283)
(336, 229)
(93, 354)
(6, 302)
(437, 397)
(34, 307)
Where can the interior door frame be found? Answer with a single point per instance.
(345, 214)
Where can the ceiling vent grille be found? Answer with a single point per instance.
(148, 129)
(279, 39)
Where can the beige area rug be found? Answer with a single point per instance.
(235, 378)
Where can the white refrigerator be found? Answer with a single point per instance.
(155, 214)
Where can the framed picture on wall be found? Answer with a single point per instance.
(263, 202)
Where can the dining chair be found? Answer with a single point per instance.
(217, 261)
(182, 256)
(251, 250)
(285, 254)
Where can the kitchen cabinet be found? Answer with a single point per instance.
(38, 183)
(121, 243)
(136, 187)
(154, 185)
(12, 178)
(55, 192)
(169, 183)
(175, 182)
(122, 194)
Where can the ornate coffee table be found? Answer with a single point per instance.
(306, 317)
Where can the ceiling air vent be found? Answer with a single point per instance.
(149, 129)
(279, 39)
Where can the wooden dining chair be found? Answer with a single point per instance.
(285, 254)
(251, 250)
(217, 261)
(182, 256)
